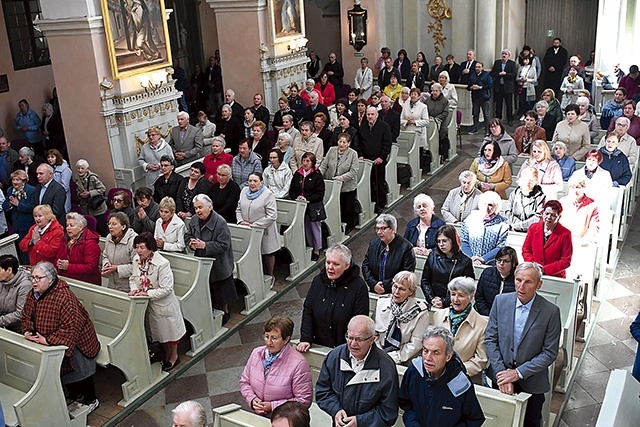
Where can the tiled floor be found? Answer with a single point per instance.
(213, 381)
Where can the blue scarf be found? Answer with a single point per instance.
(253, 196)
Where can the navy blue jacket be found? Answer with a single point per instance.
(484, 80)
(21, 215)
(411, 233)
(617, 164)
(489, 287)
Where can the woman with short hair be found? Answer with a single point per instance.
(284, 143)
(188, 188)
(278, 175)
(485, 231)
(79, 255)
(118, 252)
(147, 212)
(588, 116)
(545, 120)
(421, 231)
(415, 117)
(448, 89)
(14, 287)
(166, 185)
(44, 237)
(215, 159)
(20, 201)
(91, 192)
(170, 229)
(283, 104)
(498, 135)
(61, 174)
(525, 202)
(527, 133)
(151, 153)
(260, 143)
(567, 163)
(573, 132)
(496, 279)
(224, 194)
(122, 202)
(598, 180)
(208, 130)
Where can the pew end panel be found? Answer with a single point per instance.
(433, 145)
(621, 405)
(502, 410)
(391, 173)
(291, 215)
(452, 129)
(409, 153)
(332, 208)
(8, 245)
(363, 193)
(233, 415)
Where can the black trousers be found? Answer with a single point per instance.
(83, 390)
(348, 211)
(379, 186)
(500, 95)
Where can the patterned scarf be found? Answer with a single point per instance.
(394, 335)
(457, 318)
(145, 266)
(268, 361)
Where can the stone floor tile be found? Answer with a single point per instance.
(186, 388)
(632, 283)
(252, 333)
(613, 356)
(618, 328)
(608, 311)
(196, 369)
(224, 380)
(629, 304)
(583, 417)
(594, 384)
(617, 290)
(591, 365)
(291, 308)
(600, 336)
(222, 358)
(227, 398)
(232, 341)
(142, 418)
(579, 398)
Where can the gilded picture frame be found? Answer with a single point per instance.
(287, 19)
(137, 36)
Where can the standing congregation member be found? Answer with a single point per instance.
(374, 137)
(186, 140)
(480, 87)
(118, 252)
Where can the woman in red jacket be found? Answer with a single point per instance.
(548, 243)
(79, 255)
(44, 237)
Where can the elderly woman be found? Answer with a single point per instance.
(588, 116)
(166, 185)
(527, 133)
(61, 174)
(275, 373)
(14, 287)
(485, 231)
(598, 180)
(444, 263)
(118, 252)
(448, 89)
(402, 100)
(91, 192)
(150, 155)
(147, 212)
(21, 198)
(548, 243)
(567, 163)
(196, 183)
(580, 215)
(387, 255)
(209, 236)
(525, 202)
(216, 158)
(570, 86)
(500, 137)
(208, 130)
(628, 111)
(496, 280)
(438, 112)
(230, 128)
(79, 255)
(245, 162)
(307, 184)
(122, 203)
(309, 87)
(462, 200)
(492, 171)
(336, 294)
(288, 122)
(545, 120)
(277, 176)
(29, 163)
(44, 237)
(549, 171)
(341, 164)
(258, 208)
(152, 277)
(341, 107)
(421, 231)
(615, 161)
(61, 319)
(284, 144)
(224, 194)
(170, 229)
(466, 325)
(326, 90)
(401, 319)
(283, 104)
(573, 132)
(415, 117)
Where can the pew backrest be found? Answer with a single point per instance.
(621, 405)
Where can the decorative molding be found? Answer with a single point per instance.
(438, 10)
(227, 6)
(71, 26)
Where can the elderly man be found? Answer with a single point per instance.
(50, 192)
(290, 414)
(522, 340)
(480, 87)
(186, 140)
(435, 381)
(467, 68)
(189, 414)
(8, 158)
(358, 383)
(390, 117)
(503, 74)
(461, 200)
(214, 81)
(28, 162)
(627, 142)
(260, 112)
(574, 62)
(313, 108)
(237, 110)
(335, 72)
(387, 255)
(374, 137)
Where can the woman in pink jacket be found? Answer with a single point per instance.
(275, 373)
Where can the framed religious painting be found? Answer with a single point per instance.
(137, 36)
(287, 19)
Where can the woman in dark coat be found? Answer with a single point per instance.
(20, 201)
(495, 280)
(225, 194)
(167, 184)
(189, 188)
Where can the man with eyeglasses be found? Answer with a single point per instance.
(358, 383)
(627, 142)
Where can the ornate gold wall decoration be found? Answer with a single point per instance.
(438, 10)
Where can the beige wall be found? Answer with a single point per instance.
(323, 33)
(372, 50)
(208, 28)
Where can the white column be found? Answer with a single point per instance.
(486, 31)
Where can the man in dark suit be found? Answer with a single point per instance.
(214, 81)
(186, 140)
(467, 68)
(237, 110)
(260, 112)
(313, 108)
(390, 117)
(374, 143)
(384, 76)
(554, 61)
(335, 72)
(480, 87)
(522, 340)
(503, 74)
(49, 192)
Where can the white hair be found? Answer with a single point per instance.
(82, 163)
(182, 115)
(420, 199)
(204, 199)
(194, 410)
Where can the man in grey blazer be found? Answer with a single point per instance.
(522, 340)
(186, 140)
(49, 192)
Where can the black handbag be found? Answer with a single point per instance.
(316, 211)
(96, 201)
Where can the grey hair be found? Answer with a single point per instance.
(27, 152)
(468, 174)
(289, 117)
(310, 81)
(542, 102)
(75, 216)
(422, 198)
(463, 284)
(560, 144)
(369, 323)
(625, 119)
(490, 197)
(436, 86)
(342, 251)
(530, 265)
(82, 163)
(285, 136)
(47, 166)
(204, 199)
(582, 100)
(231, 92)
(48, 107)
(409, 277)
(442, 333)
(47, 269)
(385, 96)
(194, 410)
(183, 115)
(226, 107)
(446, 75)
(220, 139)
(388, 220)
(507, 51)
(224, 167)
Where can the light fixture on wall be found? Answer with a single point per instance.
(153, 82)
(357, 26)
(297, 45)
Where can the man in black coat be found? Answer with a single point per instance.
(313, 108)
(335, 72)
(237, 110)
(467, 68)
(49, 192)
(214, 81)
(390, 117)
(503, 74)
(384, 76)
(374, 143)
(416, 78)
(554, 61)
(260, 112)
(480, 87)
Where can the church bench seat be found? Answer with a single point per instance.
(391, 175)
(291, 217)
(621, 405)
(363, 193)
(409, 154)
(332, 208)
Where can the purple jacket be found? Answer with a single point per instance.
(289, 378)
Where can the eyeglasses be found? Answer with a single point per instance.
(272, 338)
(37, 279)
(118, 200)
(503, 261)
(382, 228)
(398, 288)
(357, 339)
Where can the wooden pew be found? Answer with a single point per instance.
(452, 129)
(364, 192)
(246, 243)
(464, 104)
(8, 246)
(291, 215)
(30, 388)
(433, 144)
(409, 153)
(119, 323)
(391, 174)
(621, 405)
(233, 415)
(332, 207)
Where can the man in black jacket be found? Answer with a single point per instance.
(503, 74)
(214, 81)
(49, 192)
(384, 76)
(480, 87)
(554, 61)
(374, 143)
(335, 72)
(416, 78)
(390, 117)
(260, 112)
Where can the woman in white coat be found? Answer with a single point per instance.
(415, 116)
(170, 229)
(152, 277)
(258, 208)
(118, 252)
(401, 319)
(150, 154)
(364, 79)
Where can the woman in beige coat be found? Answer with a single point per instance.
(466, 325)
(117, 256)
(401, 319)
(152, 277)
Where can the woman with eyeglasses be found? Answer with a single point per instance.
(497, 279)
(628, 111)
(44, 237)
(121, 202)
(118, 252)
(401, 319)
(275, 373)
(167, 183)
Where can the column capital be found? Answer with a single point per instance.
(222, 6)
(71, 26)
